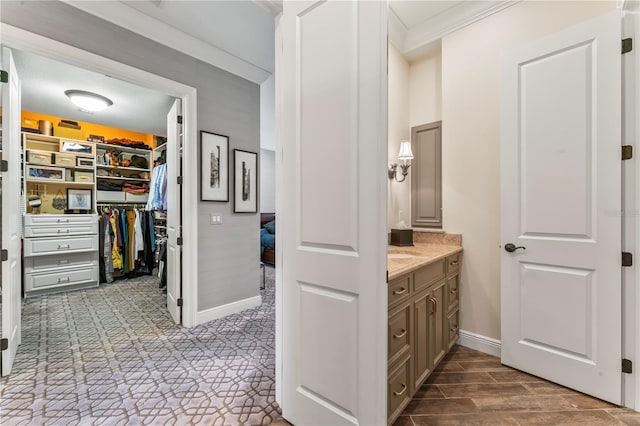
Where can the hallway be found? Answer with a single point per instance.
(112, 355)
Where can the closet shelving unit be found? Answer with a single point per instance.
(122, 173)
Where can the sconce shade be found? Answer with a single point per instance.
(405, 151)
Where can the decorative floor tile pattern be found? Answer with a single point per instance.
(473, 388)
(113, 356)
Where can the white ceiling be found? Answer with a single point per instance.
(134, 108)
(412, 13)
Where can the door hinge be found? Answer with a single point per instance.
(627, 366)
(627, 259)
(5, 255)
(4, 344)
(179, 301)
(179, 180)
(4, 166)
(4, 76)
(627, 45)
(179, 242)
(627, 152)
(179, 119)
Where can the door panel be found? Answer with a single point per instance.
(11, 223)
(426, 175)
(174, 251)
(561, 200)
(333, 212)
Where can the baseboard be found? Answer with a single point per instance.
(480, 343)
(228, 309)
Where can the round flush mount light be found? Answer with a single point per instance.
(88, 101)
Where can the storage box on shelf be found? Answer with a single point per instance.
(51, 166)
(118, 165)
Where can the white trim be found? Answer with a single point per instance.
(480, 343)
(23, 40)
(127, 17)
(228, 309)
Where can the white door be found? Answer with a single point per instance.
(561, 202)
(174, 215)
(11, 223)
(333, 214)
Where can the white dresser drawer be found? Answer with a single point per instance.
(59, 219)
(60, 261)
(46, 246)
(56, 279)
(60, 230)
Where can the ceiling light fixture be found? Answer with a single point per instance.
(88, 101)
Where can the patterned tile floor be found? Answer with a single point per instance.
(113, 356)
(473, 388)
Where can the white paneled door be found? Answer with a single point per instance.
(11, 218)
(333, 212)
(174, 221)
(561, 208)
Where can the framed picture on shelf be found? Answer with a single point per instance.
(214, 167)
(79, 199)
(245, 181)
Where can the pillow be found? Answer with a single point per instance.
(270, 227)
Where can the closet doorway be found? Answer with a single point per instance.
(172, 155)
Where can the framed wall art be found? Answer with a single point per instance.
(79, 199)
(214, 167)
(245, 181)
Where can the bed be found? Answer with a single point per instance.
(268, 238)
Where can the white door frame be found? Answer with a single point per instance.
(24, 40)
(631, 205)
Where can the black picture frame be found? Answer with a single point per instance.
(80, 200)
(214, 167)
(245, 181)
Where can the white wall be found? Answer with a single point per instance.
(268, 114)
(425, 90)
(267, 181)
(398, 130)
(471, 141)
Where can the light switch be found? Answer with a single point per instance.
(215, 219)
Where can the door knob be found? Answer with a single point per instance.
(512, 247)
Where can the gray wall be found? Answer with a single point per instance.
(267, 181)
(228, 254)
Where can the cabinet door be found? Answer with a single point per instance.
(423, 362)
(438, 323)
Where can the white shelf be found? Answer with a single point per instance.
(123, 178)
(137, 169)
(59, 182)
(61, 167)
(113, 147)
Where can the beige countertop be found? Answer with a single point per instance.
(418, 255)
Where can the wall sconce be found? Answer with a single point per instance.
(404, 155)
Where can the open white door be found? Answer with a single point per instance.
(174, 213)
(11, 223)
(333, 212)
(561, 202)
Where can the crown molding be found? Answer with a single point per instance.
(133, 20)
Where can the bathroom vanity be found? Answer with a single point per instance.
(423, 316)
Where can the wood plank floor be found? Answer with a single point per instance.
(473, 388)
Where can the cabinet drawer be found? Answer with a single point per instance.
(137, 198)
(56, 279)
(399, 332)
(452, 292)
(399, 290)
(66, 160)
(59, 219)
(453, 263)
(428, 275)
(453, 328)
(398, 389)
(63, 230)
(60, 261)
(45, 246)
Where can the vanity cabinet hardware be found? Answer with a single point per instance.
(398, 292)
(64, 280)
(400, 392)
(403, 333)
(63, 246)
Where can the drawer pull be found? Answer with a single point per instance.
(454, 329)
(434, 304)
(66, 280)
(63, 261)
(404, 389)
(453, 263)
(60, 231)
(399, 292)
(453, 291)
(401, 335)
(63, 220)
(63, 246)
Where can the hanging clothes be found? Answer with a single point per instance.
(158, 188)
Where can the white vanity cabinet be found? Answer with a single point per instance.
(60, 253)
